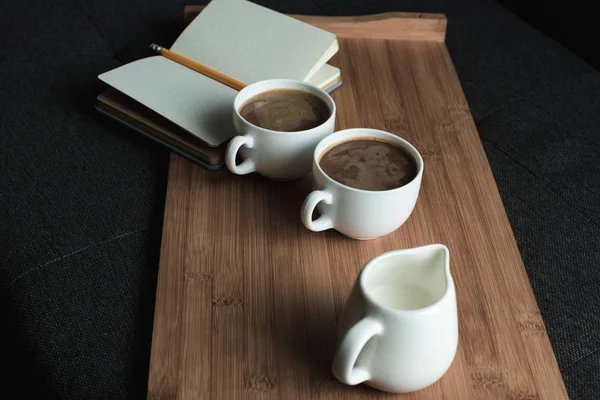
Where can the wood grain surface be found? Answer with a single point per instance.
(248, 299)
(391, 25)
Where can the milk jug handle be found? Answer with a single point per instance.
(350, 348)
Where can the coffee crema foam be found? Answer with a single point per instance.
(285, 110)
(368, 164)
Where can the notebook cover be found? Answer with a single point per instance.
(135, 115)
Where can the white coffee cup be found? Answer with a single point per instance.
(356, 213)
(399, 328)
(273, 154)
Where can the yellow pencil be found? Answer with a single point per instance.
(203, 69)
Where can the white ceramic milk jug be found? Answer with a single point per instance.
(399, 330)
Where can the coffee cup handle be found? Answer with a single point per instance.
(245, 167)
(350, 348)
(324, 221)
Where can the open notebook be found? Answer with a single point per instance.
(191, 113)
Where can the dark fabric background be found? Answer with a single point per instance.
(81, 198)
(573, 26)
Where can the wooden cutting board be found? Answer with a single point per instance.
(247, 298)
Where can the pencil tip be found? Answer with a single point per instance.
(155, 47)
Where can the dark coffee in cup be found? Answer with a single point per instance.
(369, 164)
(285, 110)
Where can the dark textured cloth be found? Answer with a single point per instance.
(81, 198)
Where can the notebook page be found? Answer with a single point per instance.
(324, 76)
(330, 52)
(196, 103)
(252, 43)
